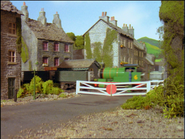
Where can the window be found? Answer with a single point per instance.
(56, 61)
(131, 43)
(12, 28)
(11, 56)
(124, 41)
(45, 46)
(56, 47)
(45, 60)
(66, 48)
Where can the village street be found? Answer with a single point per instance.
(51, 113)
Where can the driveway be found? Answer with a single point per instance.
(34, 115)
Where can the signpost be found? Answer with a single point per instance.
(111, 89)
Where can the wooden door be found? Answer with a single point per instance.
(11, 87)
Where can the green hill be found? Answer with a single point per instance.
(150, 41)
(151, 49)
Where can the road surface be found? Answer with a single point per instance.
(35, 114)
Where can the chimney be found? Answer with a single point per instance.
(131, 30)
(42, 17)
(24, 10)
(113, 21)
(125, 28)
(102, 13)
(104, 16)
(56, 20)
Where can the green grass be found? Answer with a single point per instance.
(150, 41)
(158, 60)
(151, 49)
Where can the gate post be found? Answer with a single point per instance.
(148, 86)
(77, 86)
(15, 95)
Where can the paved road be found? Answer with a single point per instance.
(32, 115)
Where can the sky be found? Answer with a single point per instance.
(79, 16)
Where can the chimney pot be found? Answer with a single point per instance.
(42, 9)
(56, 12)
(102, 13)
(105, 13)
(24, 3)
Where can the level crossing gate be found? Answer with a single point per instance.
(116, 89)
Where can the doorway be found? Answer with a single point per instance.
(11, 87)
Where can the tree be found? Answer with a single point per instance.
(172, 15)
(79, 42)
(71, 35)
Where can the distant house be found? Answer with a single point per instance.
(10, 58)
(47, 43)
(105, 39)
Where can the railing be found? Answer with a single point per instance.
(117, 89)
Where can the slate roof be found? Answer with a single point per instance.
(118, 29)
(48, 32)
(139, 45)
(79, 63)
(7, 6)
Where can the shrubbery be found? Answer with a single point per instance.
(173, 105)
(45, 88)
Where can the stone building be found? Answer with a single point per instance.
(46, 44)
(124, 44)
(10, 58)
(125, 49)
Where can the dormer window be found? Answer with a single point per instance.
(45, 46)
(56, 47)
(12, 28)
(66, 48)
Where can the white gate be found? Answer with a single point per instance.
(122, 88)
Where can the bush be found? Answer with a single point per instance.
(47, 87)
(173, 105)
(20, 92)
(56, 90)
(63, 95)
(38, 84)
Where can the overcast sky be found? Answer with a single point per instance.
(79, 16)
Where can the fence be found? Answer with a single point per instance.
(116, 89)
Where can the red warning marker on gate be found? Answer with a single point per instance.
(111, 89)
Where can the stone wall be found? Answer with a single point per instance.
(51, 54)
(8, 42)
(31, 42)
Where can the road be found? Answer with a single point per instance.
(35, 114)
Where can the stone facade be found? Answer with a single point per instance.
(10, 58)
(125, 45)
(37, 32)
(125, 49)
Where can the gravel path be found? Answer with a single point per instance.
(118, 123)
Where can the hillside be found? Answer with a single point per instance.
(151, 49)
(150, 41)
(152, 45)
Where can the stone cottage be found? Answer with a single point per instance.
(10, 56)
(45, 44)
(112, 45)
(106, 32)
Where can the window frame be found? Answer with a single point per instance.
(56, 62)
(56, 44)
(47, 61)
(12, 28)
(12, 57)
(43, 46)
(68, 49)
